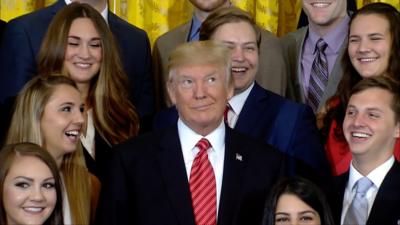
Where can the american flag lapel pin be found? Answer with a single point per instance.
(239, 157)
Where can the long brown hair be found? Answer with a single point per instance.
(114, 116)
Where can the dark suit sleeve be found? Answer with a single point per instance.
(113, 208)
(306, 141)
(17, 60)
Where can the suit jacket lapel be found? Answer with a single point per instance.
(234, 167)
(299, 46)
(252, 110)
(173, 171)
(385, 206)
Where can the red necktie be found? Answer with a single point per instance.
(203, 187)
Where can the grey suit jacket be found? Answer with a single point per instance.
(292, 44)
(271, 72)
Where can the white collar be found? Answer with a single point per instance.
(237, 101)
(376, 176)
(189, 138)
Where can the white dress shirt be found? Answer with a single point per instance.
(376, 176)
(88, 138)
(216, 153)
(237, 103)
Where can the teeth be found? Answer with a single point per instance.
(367, 59)
(320, 4)
(33, 209)
(83, 65)
(360, 135)
(72, 133)
(238, 69)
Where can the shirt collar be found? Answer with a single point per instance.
(189, 138)
(194, 29)
(237, 101)
(334, 38)
(104, 13)
(376, 176)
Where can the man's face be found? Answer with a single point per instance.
(324, 13)
(241, 38)
(200, 93)
(369, 125)
(208, 5)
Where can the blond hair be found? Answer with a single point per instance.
(25, 127)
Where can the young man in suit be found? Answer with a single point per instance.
(255, 111)
(369, 192)
(327, 27)
(152, 178)
(23, 37)
(272, 71)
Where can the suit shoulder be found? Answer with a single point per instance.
(256, 147)
(32, 18)
(141, 144)
(173, 33)
(280, 100)
(294, 36)
(127, 27)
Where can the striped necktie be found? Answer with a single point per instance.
(318, 76)
(203, 187)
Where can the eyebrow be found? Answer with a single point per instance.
(79, 38)
(23, 177)
(307, 211)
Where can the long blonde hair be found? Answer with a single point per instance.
(25, 127)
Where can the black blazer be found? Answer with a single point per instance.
(23, 37)
(386, 207)
(147, 183)
(103, 153)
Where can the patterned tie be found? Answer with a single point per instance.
(203, 187)
(318, 76)
(226, 112)
(358, 209)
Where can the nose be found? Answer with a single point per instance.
(358, 120)
(37, 194)
(84, 51)
(78, 117)
(237, 54)
(363, 46)
(199, 90)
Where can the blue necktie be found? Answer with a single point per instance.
(357, 213)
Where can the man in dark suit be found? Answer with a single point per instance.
(2, 26)
(272, 71)
(371, 127)
(255, 111)
(152, 178)
(23, 37)
(327, 21)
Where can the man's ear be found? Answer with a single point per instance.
(397, 131)
(171, 91)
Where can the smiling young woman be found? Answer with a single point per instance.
(30, 186)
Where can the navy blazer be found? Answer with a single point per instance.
(284, 124)
(23, 37)
(385, 209)
(148, 184)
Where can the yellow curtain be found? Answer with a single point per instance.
(159, 16)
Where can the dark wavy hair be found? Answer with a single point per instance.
(336, 105)
(306, 191)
